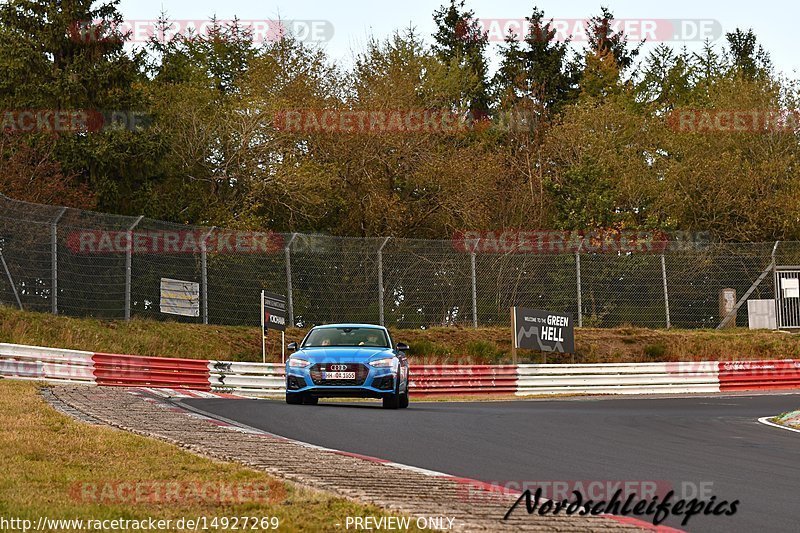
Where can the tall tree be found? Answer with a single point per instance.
(538, 69)
(461, 45)
(667, 78)
(603, 38)
(748, 58)
(70, 56)
(607, 56)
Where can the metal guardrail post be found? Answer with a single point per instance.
(54, 261)
(204, 273)
(380, 280)
(474, 292)
(128, 261)
(289, 299)
(11, 281)
(666, 293)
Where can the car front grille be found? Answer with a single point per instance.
(360, 370)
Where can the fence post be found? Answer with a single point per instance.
(380, 280)
(666, 294)
(204, 272)
(128, 261)
(289, 300)
(578, 280)
(770, 268)
(474, 293)
(54, 261)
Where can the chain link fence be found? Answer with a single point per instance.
(81, 263)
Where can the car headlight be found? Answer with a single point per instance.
(296, 362)
(382, 363)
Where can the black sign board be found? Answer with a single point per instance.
(545, 331)
(273, 311)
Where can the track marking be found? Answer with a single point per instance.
(765, 420)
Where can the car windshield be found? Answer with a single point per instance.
(347, 336)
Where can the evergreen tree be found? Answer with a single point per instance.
(461, 45)
(748, 58)
(538, 69)
(603, 39)
(70, 56)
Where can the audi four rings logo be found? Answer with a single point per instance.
(337, 367)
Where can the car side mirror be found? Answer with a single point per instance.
(292, 346)
(402, 347)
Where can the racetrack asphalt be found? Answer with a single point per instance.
(688, 444)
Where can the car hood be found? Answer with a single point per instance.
(343, 354)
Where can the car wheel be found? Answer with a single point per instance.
(403, 403)
(391, 402)
(310, 400)
(294, 399)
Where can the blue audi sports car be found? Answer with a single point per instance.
(347, 361)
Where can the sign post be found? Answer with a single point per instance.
(514, 340)
(263, 331)
(545, 331)
(273, 316)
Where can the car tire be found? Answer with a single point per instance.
(391, 401)
(310, 400)
(403, 402)
(294, 399)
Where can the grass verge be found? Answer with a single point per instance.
(58, 468)
(437, 345)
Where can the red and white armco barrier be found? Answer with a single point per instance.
(257, 379)
(759, 375)
(133, 371)
(50, 364)
(249, 379)
(430, 380)
(618, 378)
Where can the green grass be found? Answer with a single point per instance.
(441, 345)
(484, 351)
(49, 460)
(655, 351)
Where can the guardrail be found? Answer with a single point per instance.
(618, 378)
(250, 379)
(430, 380)
(135, 371)
(50, 364)
(759, 375)
(257, 379)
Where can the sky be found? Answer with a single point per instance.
(343, 27)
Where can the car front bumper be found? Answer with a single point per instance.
(378, 383)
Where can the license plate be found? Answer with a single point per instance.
(338, 375)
